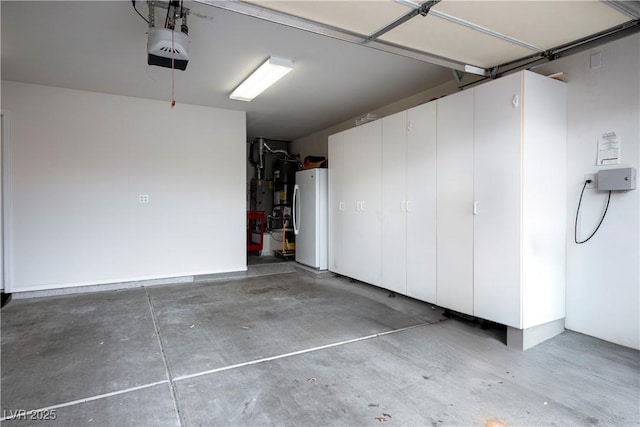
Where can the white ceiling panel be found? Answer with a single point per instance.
(478, 32)
(545, 24)
(359, 16)
(440, 37)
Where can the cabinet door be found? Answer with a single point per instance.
(421, 202)
(544, 213)
(336, 202)
(455, 202)
(369, 169)
(394, 183)
(497, 192)
(351, 188)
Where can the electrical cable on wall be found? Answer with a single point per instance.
(138, 12)
(575, 230)
(166, 19)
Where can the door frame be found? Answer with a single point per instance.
(5, 202)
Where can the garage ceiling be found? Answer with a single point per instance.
(465, 35)
(101, 46)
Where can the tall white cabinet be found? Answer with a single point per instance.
(472, 204)
(355, 210)
(520, 198)
(409, 202)
(455, 199)
(502, 205)
(394, 183)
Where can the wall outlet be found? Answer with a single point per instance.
(592, 177)
(595, 60)
(143, 198)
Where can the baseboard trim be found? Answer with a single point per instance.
(102, 287)
(524, 339)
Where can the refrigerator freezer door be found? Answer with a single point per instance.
(311, 218)
(296, 210)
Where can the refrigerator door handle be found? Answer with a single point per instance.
(296, 190)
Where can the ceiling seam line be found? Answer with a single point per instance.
(303, 24)
(484, 30)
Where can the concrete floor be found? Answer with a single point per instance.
(290, 350)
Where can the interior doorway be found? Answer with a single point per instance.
(4, 136)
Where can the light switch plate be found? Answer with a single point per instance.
(143, 198)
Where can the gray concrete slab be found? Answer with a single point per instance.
(441, 374)
(207, 326)
(150, 407)
(103, 347)
(422, 310)
(60, 349)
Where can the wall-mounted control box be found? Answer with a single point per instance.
(622, 179)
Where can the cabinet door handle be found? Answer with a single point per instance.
(341, 206)
(358, 206)
(363, 206)
(408, 205)
(475, 208)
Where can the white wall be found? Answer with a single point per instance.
(603, 276)
(78, 161)
(4, 132)
(316, 144)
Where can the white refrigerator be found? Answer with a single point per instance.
(310, 214)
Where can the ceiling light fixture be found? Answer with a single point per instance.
(261, 79)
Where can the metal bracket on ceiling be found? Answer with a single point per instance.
(422, 9)
(426, 7)
(179, 11)
(457, 75)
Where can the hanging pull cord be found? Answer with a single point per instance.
(575, 230)
(173, 68)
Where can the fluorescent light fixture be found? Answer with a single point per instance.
(261, 79)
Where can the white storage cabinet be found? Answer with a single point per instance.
(355, 205)
(409, 202)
